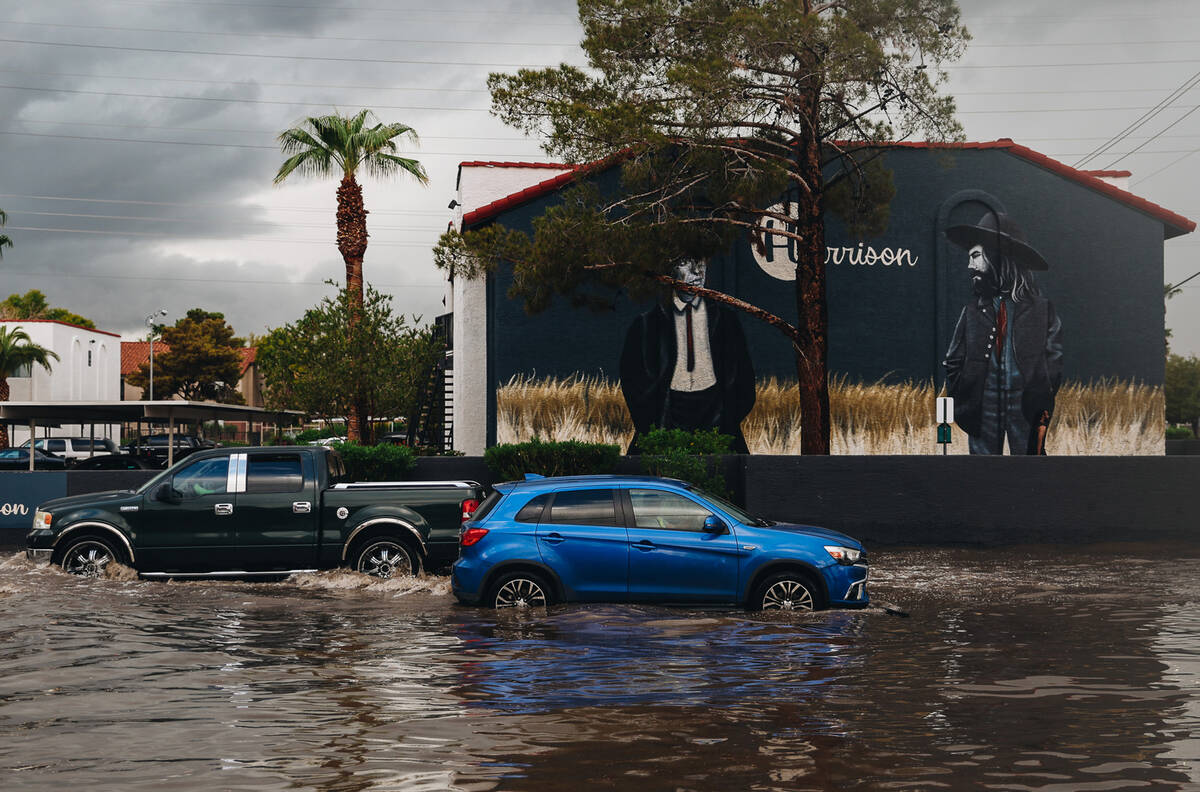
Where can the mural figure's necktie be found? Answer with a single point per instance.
(691, 347)
(1001, 327)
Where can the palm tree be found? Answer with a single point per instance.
(4, 241)
(17, 351)
(327, 145)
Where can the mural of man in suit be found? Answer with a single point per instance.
(685, 365)
(1004, 365)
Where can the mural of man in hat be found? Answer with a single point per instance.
(1004, 365)
(685, 365)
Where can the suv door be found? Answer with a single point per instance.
(194, 530)
(582, 538)
(671, 556)
(276, 512)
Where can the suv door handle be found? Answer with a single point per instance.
(552, 538)
(301, 507)
(223, 509)
(645, 544)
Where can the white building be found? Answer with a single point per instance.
(480, 184)
(88, 369)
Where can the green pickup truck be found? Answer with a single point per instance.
(239, 512)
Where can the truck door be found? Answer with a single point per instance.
(188, 527)
(276, 512)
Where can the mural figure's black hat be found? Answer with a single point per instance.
(996, 231)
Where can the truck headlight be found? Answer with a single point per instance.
(843, 555)
(41, 519)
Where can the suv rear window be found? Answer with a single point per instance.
(488, 504)
(583, 507)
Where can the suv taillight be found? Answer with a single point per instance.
(468, 508)
(471, 536)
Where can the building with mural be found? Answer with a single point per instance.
(908, 318)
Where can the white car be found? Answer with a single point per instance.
(73, 447)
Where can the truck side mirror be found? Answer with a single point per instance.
(166, 493)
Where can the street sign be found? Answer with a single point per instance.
(945, 411)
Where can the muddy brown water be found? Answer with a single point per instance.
(1018, 669)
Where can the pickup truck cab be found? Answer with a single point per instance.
(234, 512)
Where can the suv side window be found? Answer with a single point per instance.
(274, 473)
(532, 512)
(583, 507)
(667, 511)
(206, 477)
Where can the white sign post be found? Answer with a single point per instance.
(945, 417)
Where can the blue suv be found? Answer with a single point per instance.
(645, 539)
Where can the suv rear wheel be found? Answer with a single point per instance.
(520, 590)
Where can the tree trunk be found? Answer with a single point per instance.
(4, 427)
(352, 243)
(811, 343)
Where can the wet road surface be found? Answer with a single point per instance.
(1019, 669)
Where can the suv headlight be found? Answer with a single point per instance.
(41, 519)
(843, 555)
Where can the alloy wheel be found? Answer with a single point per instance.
(88, 559)
(520, 593)
(788, 595)
(385, 560)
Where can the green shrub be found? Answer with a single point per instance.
(569, 458)
(680, 454)
(376, 463)
(308, 435)
(1179, 433)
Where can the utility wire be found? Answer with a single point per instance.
(239, 281)
(239, 207)
(1150, 139)
(282, 240)
(1166, 102)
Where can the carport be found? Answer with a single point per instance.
(35, 414)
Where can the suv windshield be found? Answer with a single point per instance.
(736, 512)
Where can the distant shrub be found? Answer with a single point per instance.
(680, 454)
(376, 463)
(308, 435)
(1180, 433)
(567, 458)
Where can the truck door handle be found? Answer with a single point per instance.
(645, 544)
(223, 509)
(552, 538)
(301, 507)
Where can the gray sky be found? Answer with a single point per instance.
(137, 143)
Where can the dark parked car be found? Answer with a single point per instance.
(646, 539)
(18, 459)
(155, 447)
(115, 462)
(256, 511)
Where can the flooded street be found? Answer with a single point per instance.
(1018, 669)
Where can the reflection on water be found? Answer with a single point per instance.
(1037, 668)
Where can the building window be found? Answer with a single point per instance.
(89, 358)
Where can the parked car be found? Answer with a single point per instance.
(236, 512)
(74, 447)
(327, 441)
(640, 538)
(154, 447)
(18, 459)
(115, 462)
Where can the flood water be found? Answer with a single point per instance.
(1017, 669)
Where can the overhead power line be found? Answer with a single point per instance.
(194, 204)
(239, 281)
(280, 241)
(1166, 102)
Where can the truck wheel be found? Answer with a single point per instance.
(520, 590)
(89, 556)
(386, 557)
(785, 591)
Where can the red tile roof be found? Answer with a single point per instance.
(1172, 222)
(135, 353)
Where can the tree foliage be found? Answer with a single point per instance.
(722, 118)
(1181, 387)
(317, 365)
(33, 305)
(4, 240)
(201, 360)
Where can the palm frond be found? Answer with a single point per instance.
(389, 164)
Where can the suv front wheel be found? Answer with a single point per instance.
(785, 591)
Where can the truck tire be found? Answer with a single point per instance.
(385, 557)
(89, 556)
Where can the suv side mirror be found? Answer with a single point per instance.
(166, 493)
(713, 525)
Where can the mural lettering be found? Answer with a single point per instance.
(778, 258)
(13, 509)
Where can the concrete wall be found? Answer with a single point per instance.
(985, 501)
